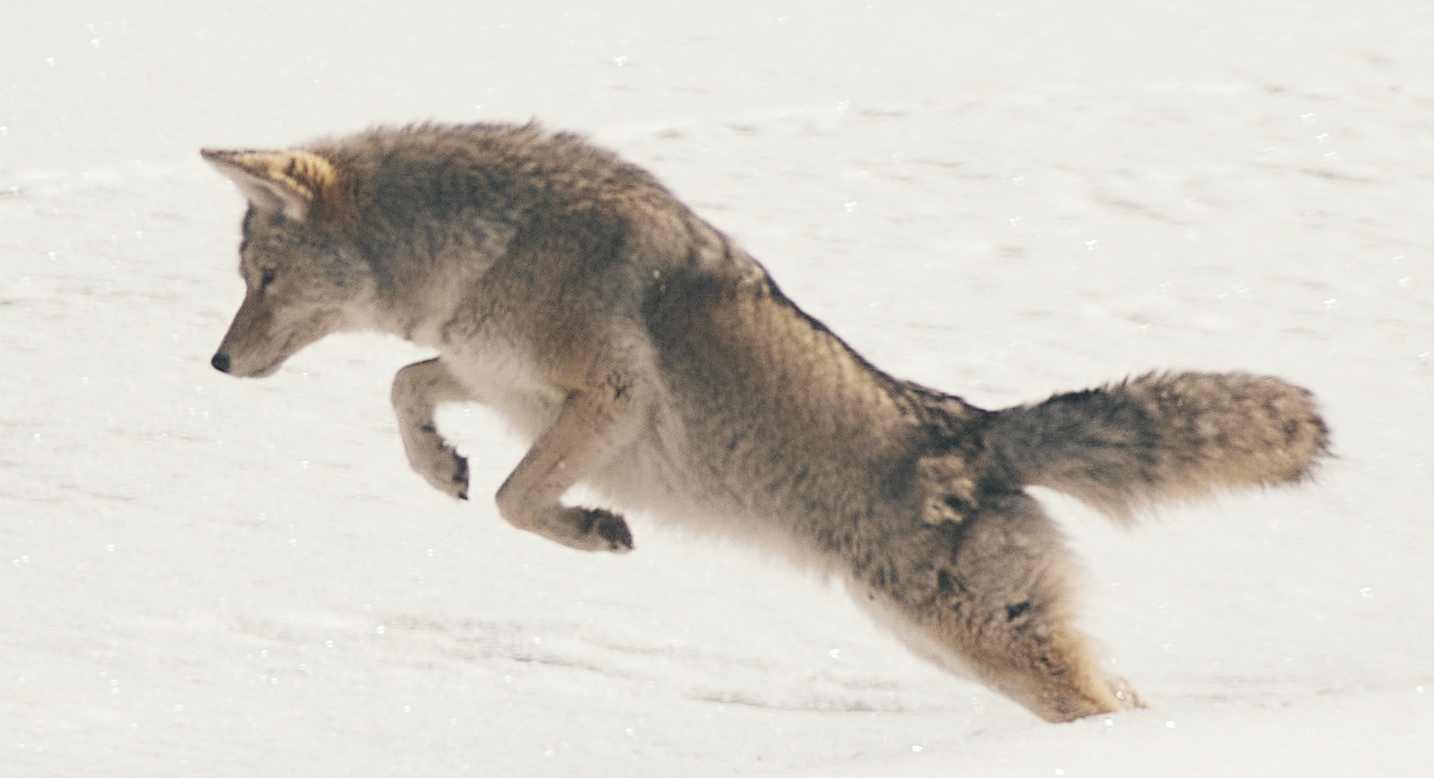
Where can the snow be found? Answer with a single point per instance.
(203, 575)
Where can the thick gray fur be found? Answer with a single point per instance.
(645, 354)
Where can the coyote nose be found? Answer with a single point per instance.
(220, 362)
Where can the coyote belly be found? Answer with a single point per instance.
(645, 354)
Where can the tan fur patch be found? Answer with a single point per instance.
(302, 184)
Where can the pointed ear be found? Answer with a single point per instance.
(291, 182)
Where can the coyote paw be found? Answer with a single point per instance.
(608, 529)
(585, 529)
(446, 471)
(1124, 692)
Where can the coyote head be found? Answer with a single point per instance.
(303, 277)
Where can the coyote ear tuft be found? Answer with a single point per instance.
(295, 183)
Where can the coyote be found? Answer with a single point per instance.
(646, 355)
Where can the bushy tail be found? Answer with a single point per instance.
(1163, 437)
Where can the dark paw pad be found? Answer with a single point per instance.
(461, 478)
(611, 528)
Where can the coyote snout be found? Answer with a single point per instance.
(645, 354)
(266, 331)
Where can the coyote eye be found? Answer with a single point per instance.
(266, 277)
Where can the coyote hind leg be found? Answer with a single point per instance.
(990, 598)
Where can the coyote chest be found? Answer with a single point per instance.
(503, 375)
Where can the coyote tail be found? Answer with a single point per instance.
(1161, 437)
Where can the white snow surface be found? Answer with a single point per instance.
(208, 576)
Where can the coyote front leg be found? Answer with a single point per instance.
(417, 390)
(592, 425)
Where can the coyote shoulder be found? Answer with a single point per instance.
(645, 354)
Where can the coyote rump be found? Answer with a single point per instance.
(645, 354)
